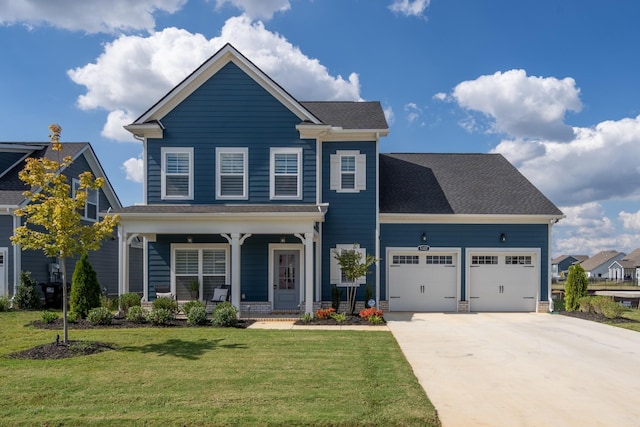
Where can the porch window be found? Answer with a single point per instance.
(177, 173)
(90, 211)
(232, 177)
(206, 264)
(348, 171)
(286, 176)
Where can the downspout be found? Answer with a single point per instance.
(17, 255)
(549, 295)
(377, 231)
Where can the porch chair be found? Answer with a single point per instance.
(220, 294)
(164, 291)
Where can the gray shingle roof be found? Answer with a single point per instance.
(598, 259)
(476, 184)
(349, 114)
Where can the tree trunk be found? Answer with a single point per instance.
(65, 334)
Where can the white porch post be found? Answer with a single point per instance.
(235, 270)
(121, 261)
(308, 272)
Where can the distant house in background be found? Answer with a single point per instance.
(625, 268)
(597, 267)
(560, 265)
(44, 269)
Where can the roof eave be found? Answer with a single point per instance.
(146, 130)
(408, 218)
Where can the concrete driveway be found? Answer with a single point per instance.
(523, 369)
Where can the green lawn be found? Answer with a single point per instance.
(633, 314)
(210, 376)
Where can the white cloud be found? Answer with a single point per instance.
(409, 7)
(91, 16)
(134, 72)
(522, 106)
(630, 221)
(262, 9)
(600, 163)
(134, 169)
(440, 96)
(414, 113)
(389, 115)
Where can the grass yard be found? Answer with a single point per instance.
(209, 376)
(633, 314)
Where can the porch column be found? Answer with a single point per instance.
(122, 241)
(308, 272)
(235, 270)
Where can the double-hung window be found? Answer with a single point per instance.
(232, 173)
(177, 173)
(206, 264)
(90, 211)
(286, 173)
(348, 171)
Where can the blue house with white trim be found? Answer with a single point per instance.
(247, 187)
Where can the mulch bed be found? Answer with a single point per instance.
(597, 317)
(352, 320)
(61, 350)
(123, 323)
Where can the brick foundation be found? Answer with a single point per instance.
(543, 306)
(463, 306)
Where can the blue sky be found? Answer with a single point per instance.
(551, 85)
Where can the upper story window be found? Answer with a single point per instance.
(348, 171)
(286, 173)
(232, 173)
(177, 173)
(91, 204)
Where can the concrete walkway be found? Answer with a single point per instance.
(523, 369)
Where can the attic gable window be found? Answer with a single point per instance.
(286, 173)
(232, 173)
(177, 173)
(348, 171)
(91, 204)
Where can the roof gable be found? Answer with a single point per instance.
(467, 184)
(604, 257)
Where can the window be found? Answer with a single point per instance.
(91, 204)
(348, 171)
(337, 277)
(207, 264)
(286, 180)
(232, 179)
(440, 259)
(484, 259)
(518, 260)
(177, 173)
(406, 259)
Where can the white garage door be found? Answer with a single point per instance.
(422, 282)
(503, 281)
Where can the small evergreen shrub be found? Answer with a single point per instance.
(27, 297)
(575, 287)
(339, 317)
(189, 305)
(137, 314)
(197, 316)
(5, 303)
(49, 316)
(85, 289)
(161, 316)
(100, 316)
(72, 317)
(306, 318)
(129, 300)
(225, 314)
(110, 303)
(336, 297)
(165, 304)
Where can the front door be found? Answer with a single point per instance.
(286, 280)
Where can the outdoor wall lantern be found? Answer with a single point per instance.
(503, 237)
(189, 239)
(282, 239)
(423, 238)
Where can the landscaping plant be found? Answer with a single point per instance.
(336, 297)
(5, 303)
(575, 287)
(136, 314)
(85, 289)
(49, 316)
(161, 316)
(166, 304)
(189, 305)
(353, 267)
(225, 314)
(100, 316)
(197, 316)
(27, 297)
(129, 300)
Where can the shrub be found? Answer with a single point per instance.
(100, 316)
(368, 295)
(306, 318)
(324, 313)
(27, 297)
(368, 312)
(339, 317)
(161, 316)
(225, 314)
(137, 314)
(197, 316)
(575, 287)
(49, 316)
(611, 309)
(189, 305)
(5, 303)
(585, 304)
(85, 289)
(165, 304)
(129, 300)
(72, 317)
(110, 303)
(336, 297)
(375, 320)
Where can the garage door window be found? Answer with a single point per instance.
(440, 259)
(406, 259)
(518, 260)
(484, 259)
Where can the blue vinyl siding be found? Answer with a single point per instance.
(351, 217)
(465, 236)
(230, 110)
(6, 230)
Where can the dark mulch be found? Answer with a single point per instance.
(61, 350)
(351, 320)
(597, 317)
(123, 323)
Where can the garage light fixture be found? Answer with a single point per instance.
(503, 237)
(423, 238)
(189, 239)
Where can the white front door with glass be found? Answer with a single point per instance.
(286, 280)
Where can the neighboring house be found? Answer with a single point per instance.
(247, 186)
(625, 268)
(597, 267)
(44, 269)
(560, 265)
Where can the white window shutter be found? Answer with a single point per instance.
(334, 166)
(336, 272)
(361, 172)
(362, 280)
